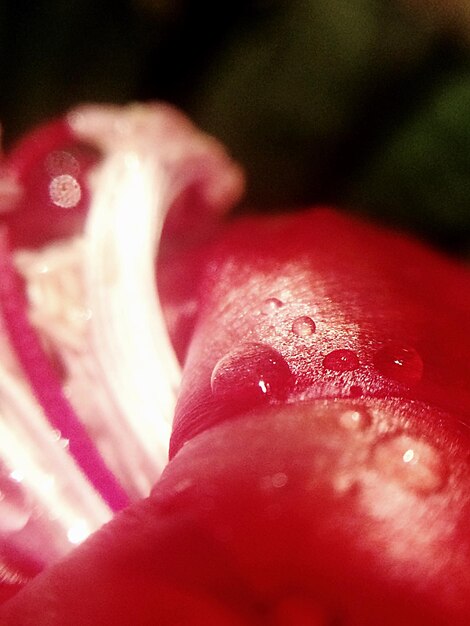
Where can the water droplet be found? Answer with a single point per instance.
(271, 305)
(65, 191)
(303, 326)
(400, 363)
(62, 162)
(251, 374)
(15, 509)
(355, 419)
(341, 361)
(413, 463)
(355, 391)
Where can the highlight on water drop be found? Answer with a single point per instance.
(356, 419)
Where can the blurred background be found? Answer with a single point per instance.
(361, 103)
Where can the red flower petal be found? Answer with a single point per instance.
(391, 319)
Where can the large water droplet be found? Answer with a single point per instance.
(341, 361)
(400, 363)
(251, 374)
(355, 419)
(303, 326)
(413, 463)
(65, 191)
(271, 305)
(15, 509)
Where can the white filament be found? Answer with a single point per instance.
(29, 447)
(94, 303)
(60, 311)
(129, 335)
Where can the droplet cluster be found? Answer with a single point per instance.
(254, 371)
(402, 458)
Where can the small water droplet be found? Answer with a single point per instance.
(15, 509)
(355, 391)
(341, 361)
(355, 419)
(303, 326)
(271, 305)
(400, 363)
(65, 191)
(413, 463)
(251, 374)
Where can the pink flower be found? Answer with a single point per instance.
(319, 467)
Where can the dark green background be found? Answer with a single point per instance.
(365, 103)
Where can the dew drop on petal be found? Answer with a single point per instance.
(341, 361)
(15, 509)
(303, 326)
(65, 191)
(251, 374)
(413, 463)
(355, 419)
(400, 363)
(355, 391)
(270, 305)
